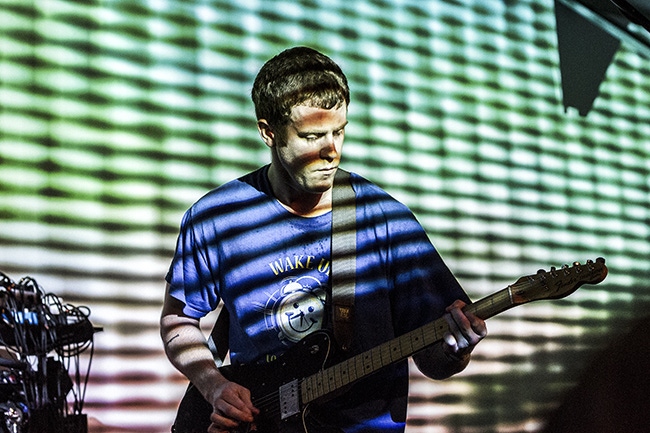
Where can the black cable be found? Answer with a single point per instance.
(41, 324)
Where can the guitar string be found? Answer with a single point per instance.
(268, 401)
(430, 335)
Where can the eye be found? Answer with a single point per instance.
(309, 136)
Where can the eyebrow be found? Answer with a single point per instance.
(317, 132)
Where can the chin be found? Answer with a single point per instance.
(319, 188)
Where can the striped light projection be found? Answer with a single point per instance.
(116, 115)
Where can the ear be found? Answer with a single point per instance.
(266, 132)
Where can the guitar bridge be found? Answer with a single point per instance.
(289, 399)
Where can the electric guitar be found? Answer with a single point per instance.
(284, 389)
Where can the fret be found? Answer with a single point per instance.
(341, 375)
(306, 389)
(393, 351)
(352, 369)
(405, 345)
(319, 388)
(329, 382)
(376, 358)
(359, 363)
(383, 352)
(494, 304)
(417, 339)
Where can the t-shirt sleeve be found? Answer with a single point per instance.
(190, 278)
(418, 282)
(422, 284)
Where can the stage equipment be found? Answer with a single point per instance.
(42, 385)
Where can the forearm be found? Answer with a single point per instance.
(435, 363)
(186, 348)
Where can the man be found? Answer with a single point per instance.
(261, 245)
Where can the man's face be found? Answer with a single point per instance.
(309, 147)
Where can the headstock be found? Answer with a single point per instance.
(557, 283)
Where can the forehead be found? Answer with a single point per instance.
(305, 117)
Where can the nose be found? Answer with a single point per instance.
(329, 150)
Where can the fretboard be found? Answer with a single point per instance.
(364, 364)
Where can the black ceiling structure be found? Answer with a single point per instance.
(589, 34)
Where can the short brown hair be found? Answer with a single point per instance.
(298, 75)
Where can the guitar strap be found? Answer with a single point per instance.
(344, 258)
(343, 271)
(218, 339)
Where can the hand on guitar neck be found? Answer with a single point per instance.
(465, 331)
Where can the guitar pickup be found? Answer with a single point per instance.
(289, 399)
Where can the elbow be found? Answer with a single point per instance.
(436, 364)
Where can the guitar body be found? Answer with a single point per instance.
(277, 414)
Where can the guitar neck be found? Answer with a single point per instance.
(555, 284)
(360, 366)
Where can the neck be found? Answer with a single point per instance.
(301, 203)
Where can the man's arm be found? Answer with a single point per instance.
(453, 353)
(187, 349)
